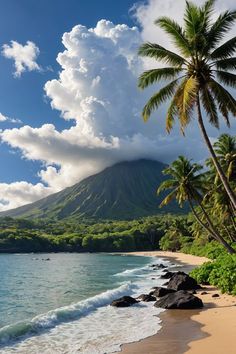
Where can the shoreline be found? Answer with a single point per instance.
(208, 331)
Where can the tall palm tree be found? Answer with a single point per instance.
(196, 74)
(186, 185)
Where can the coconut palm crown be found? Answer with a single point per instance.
(197, 75)
(185, 182)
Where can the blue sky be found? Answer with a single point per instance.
(42, 22)
(69, 73)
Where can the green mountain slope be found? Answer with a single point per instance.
(124, 191)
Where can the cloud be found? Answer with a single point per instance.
(19, 193)
(24, 56)
(96, 90)
(4, 118)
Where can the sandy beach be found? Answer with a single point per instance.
(211, 330)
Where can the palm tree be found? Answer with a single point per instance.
(196, 74)
(216, 196)
(225, 149)
(186, 185)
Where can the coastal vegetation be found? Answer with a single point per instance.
(187, 184)
(22, 235)
(221, 273)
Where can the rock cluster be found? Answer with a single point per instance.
(178, 293)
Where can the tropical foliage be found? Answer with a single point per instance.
(221, 273)
(210, 205)
(21, 235)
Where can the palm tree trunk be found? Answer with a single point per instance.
(229, 234)
(211, 229)
(214, 158)
(234, 226)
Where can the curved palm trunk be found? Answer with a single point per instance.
(211, 229)
(214, 158)
(229, 234)
(233, 222)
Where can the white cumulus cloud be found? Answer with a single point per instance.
(19, 193)
(24, 56)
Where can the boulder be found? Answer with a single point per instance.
(215, 295)
(158, 266)
(167, 275)
(204, 293)
(159, 291)
(146, 298)
(179, 300)
(166, 283)
(162, 266)
(124, 301)
(182, 281)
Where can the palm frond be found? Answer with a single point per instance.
(158, 52)
(158, 98)
(176, 32)
(192, 20)
(225, 51)
(169, 198)
(226, 64)
(227, 103)
(227, 78)
(174, 108)
(149, 77)
(218, 30)
(168, 184)
(210, 106)
(189, 98)
(190, 92)
(206, 11)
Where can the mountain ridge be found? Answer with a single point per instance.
(125, 190)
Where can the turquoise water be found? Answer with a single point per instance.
(61, 305)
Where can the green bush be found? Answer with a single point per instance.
(210, 250)
(221, 273)
(202, 273)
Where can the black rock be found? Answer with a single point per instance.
(215, 295)
(146, 298)
(160, 292)
(162, 266)
(166, 283)
(179, 300)
(167, 275)
(182, 281)
(204, 293)
(158, 266)
(124, 301)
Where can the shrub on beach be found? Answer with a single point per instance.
(221, 273)
(210, 250)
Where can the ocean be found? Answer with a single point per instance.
(59, 303)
